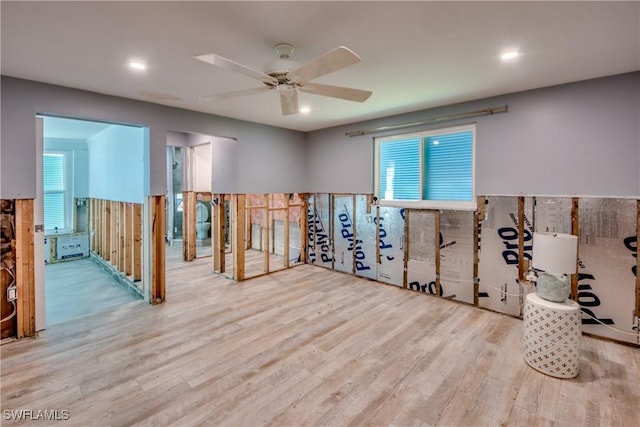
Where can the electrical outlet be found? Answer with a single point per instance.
(12, 293)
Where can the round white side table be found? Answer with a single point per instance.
(551, 336)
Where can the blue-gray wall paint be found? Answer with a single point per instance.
(581, 138)
(266, 159)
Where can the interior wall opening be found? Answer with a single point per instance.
(91, 214)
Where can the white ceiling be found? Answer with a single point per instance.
(415, 55)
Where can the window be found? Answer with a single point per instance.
(54, 191)
(431, 169)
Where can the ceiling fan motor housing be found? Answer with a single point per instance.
(278, 68)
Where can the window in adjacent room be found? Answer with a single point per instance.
(55, 191)
(430, 169)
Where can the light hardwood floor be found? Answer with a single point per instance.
(305, 347)
(76, 288)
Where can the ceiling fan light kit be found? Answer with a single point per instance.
(287, 76)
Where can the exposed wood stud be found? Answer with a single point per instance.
(521, 263)
(286, 243)
(106, 230)
(266, 245)
(575, 230)
(113, 233)
(304, 228)
(137, 241)
(157, 261)
(189, 225)
(637, 308)
(128, 240)
(122, 227)
(480, 213)
(218, 233)
(238, 229)
(25, 277)
(354, 202)
(378, 260)
(437, 245)
(405, 258)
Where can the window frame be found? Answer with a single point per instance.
(426, 204)
(67, 180)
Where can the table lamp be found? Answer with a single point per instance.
(555, 257)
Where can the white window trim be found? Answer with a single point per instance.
(68, 192)
(470, 205)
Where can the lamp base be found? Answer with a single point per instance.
(553, 288)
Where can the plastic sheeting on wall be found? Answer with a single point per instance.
(553, 214)
(390, 241)
(457, 255)
(421, 263)
(319, 247)
(343, 233)
(366, 232)
(499, 288)
(607, 257)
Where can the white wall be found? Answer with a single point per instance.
(273, 159)
(116, 164)
(581, 138)
(80, 156)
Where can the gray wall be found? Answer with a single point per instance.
(273, 159)
(581, 138)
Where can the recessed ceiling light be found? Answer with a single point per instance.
(305, 110)
(436, 142)
(511, 54)
(137, 65)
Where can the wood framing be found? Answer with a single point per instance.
(137, 242)
(265, 234)
(285, 249)
(218, 225)
(405, 257)
(106, 229)
(575, 230)
(25, 277)
(189, 225)
(521, 261)
(637, 309)
(157, 261)
(437, 240)
(113, 233)
(7, 266)
(480, 214)
(304, 228)
(128, 239)
(354, 202)
(238, 229)
(122, 227)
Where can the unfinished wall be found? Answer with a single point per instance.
(480, 258)
(116, 240)
(7, 267)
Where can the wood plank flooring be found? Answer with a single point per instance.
(80, 287)
(305, 347)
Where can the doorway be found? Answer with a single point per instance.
(82, 162)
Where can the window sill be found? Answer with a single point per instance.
(430, 204)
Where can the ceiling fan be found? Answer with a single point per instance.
(286, 76)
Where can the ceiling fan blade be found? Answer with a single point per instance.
(347, 93)
(222, 62)
(337, 59)
(289, 102)
(236, 93)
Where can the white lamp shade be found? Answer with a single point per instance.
(555, 253)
